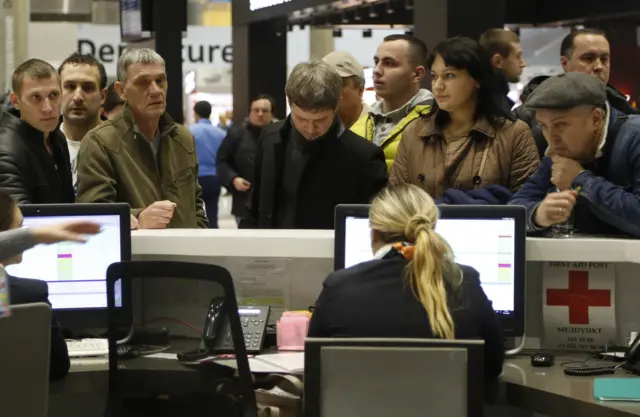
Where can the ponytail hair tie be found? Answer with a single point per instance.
(416, 225)
(405, 249)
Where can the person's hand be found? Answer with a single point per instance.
(564, 171)
(74, 231)
(157, 215)
(134, 223)
(555, 208)
(241, 184)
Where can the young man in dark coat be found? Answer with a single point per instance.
(309, 162)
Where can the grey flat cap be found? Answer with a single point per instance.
(566, 91)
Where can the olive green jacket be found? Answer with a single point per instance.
(116, 164)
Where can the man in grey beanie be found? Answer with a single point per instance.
(593, 160)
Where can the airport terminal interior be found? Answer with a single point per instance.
(319, 208)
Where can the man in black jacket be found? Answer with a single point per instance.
(584, 50)
(588, 50)
(84, 88)
(34, 158)
(309, 163)
(505, 52)
(236, 157)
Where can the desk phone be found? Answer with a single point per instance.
(217, 332)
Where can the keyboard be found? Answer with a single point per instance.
(87, 347)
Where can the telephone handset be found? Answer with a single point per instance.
(632, 357)
(213, 323)
(216, 336)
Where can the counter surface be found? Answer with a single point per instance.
(550, 392)
(319, 244)
(542, 390)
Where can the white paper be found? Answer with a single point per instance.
(291, 361)
(579, 305)
(172, 356)
(258, 366)
(80, 362)
(261, 282)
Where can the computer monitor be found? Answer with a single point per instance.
(431, 377)
(490, 239)
(76, 272)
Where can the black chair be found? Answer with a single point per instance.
(127, 271)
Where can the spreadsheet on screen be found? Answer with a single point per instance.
(74, 272)
(487, 245)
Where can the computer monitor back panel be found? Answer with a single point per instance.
(490, 239)
(76, 272)
(357, 378)
(351, 376)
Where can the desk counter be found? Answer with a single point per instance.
(550, 392)
(547, 391)
(319, 244)
(304, 258)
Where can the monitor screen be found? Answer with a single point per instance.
(75, 272)
(488, 245)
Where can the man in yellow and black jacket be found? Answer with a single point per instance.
(399, 68)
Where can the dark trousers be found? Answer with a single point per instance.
(211, 195)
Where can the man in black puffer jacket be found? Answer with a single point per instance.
(34, 159)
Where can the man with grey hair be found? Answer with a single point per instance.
(352, 108)
(309, 163)
(142, 157)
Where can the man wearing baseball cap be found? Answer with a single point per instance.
(593, 160)
(352, 108)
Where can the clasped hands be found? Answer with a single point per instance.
(557, 207)
(155, 216)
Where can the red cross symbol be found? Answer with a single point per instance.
(578, 297)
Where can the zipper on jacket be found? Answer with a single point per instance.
(149, 146)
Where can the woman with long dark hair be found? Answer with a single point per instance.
(470, 147)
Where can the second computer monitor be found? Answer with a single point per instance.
(490, 239)
(75, 272)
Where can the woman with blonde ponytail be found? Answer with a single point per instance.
(412, 288)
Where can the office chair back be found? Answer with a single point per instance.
(392, 377)
(24, 360)
(184, 270)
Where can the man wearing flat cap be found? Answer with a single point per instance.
(593, 160)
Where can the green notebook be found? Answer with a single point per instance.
(616, 389)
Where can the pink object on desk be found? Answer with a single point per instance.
(291, 330)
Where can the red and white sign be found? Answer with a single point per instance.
(579, 305)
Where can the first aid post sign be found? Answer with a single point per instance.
(579, 305)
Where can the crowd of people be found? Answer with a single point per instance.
(67, 137)
(572, 149)
(461, 141)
